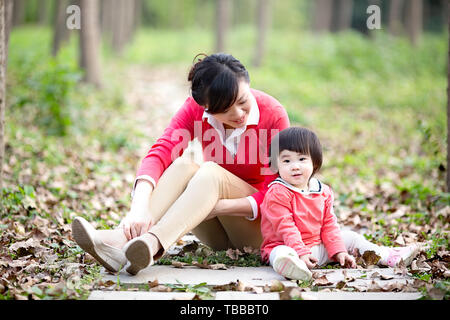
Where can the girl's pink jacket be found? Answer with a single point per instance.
(251, 160)
(299, 220)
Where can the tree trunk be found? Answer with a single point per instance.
(138, 7)
(414, 20)
(6, 8)
(395, 17)
(343, 16)
(448, 110)
(223, 9)
(121, 24)
(18, 12)
(445, 12)
(43, 12)
(8, 18)
(89, 41)
(129, 20)
(107, 18)
(61, 33)
(263, 23)
(322, 15)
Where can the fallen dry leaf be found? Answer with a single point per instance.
(232, 286)
(370, 258)
(218, 266)
(233, 254)
(276, 286)
(341, 284)
(178, 264)
(153, 283)
(322, 281)
(290, 293)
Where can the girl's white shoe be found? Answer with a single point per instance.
(113, 259)
(407, 254)
(290, 266)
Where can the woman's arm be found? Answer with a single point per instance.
(138, 221)
(239, 207)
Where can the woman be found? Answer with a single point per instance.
(218, 200)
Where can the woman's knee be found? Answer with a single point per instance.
(208, 170)
(184, 164)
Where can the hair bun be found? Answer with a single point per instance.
(194, 67)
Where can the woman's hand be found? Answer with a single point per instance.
(138, 220)
(345, 259)
(309, 260)
(136, 224)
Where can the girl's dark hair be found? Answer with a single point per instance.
(299, 140)
(215, 81)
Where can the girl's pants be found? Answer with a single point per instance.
(184, 196)
(351, 239)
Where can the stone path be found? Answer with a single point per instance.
(252, 283)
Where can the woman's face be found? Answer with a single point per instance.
(236, 116)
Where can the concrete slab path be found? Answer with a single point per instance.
(254, 283)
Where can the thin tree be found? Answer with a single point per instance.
(106, 19)
(395, 17)
(342, 19)
(322, 15)
(414, 20)
(448, 107)
(445, 11)
(89, 41)
(60, 32)
(9, 23)
(122, 18)
(6, 7)
(18, 12)
(118, 30)
(43, 12)
(223, 13)
(263, 23)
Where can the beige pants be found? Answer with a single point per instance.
(184, 196)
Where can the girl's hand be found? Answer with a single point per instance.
(309, 260)
(345, 259)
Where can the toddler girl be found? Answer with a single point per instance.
(298, 225)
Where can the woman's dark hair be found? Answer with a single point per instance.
(299, 140)
(215, 81)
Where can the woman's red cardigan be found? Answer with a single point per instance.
(251, 161)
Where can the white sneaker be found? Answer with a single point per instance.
(407, 254)
(292, 267)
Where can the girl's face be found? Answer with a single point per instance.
(236, 116)
(295, 168)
